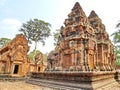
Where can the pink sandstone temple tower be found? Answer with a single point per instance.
(83, 58)
(83, 44)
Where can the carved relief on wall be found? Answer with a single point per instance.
(18, 55)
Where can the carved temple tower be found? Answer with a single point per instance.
(105, 53)
(83, 57)
(77, 43)
(84, 44)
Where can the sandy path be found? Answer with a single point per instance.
(20, 86)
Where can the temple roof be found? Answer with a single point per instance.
(78, 7)
(76, 15)
(96, 22)
(93, 14)
(17, 38)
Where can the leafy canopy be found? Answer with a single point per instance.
(4, 41)
(116, 41)
(31, 54)
(36, 30)
(56, 36)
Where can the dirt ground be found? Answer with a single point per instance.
(21, 85)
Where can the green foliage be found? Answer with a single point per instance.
(118, 62)
(116, 41)
(4, 41)
(117, 52)
(31, 54)
(36, 30)
(44, 57)
(56, 36)
(116, 37)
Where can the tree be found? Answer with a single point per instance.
(36, 30)
(38, 57)
(4, 41)
(56, 36)
(116, 41)
(117, 51)
(31, 54)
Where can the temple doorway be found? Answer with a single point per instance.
(16, 68)
(38, 69)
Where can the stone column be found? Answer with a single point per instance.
(102, 62)
(82, 56)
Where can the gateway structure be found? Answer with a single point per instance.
(14, 60)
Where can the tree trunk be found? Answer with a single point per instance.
(34, 56)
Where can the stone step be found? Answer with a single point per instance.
(13, 79)
(54, 87)
(60, 85)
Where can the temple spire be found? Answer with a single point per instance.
(77, 5)
(93, 14)
(78, 9)
(76, 15)
(96, 22)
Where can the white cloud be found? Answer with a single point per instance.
(11, 23)
(9, 27)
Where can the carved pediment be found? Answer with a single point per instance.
(18, 56)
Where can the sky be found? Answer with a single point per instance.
(13, 13)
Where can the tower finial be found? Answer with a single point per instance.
(92, 14)
(76, 15)
(77, 5)
(78, 9)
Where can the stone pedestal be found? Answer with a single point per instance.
(79, 80)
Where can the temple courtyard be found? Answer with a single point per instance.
(20, 85)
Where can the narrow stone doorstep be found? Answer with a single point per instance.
(60, 85)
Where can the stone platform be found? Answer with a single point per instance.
(76, 80)
(8, 77)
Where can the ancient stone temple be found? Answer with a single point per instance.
(83, 44)
(105, 49)
(52, 60)
(13, 57)
(83, 58)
